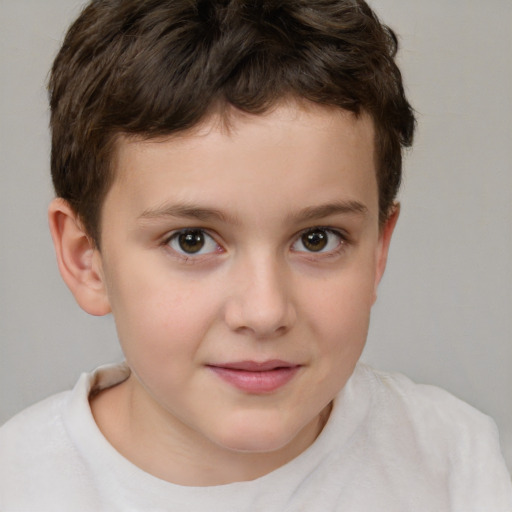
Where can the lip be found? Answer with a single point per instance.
(256, 377)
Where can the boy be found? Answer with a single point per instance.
(226, 175)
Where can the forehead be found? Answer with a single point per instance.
(302, 151)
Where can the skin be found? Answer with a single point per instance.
(254, 292)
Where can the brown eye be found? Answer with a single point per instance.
(315, 240)
(319, 240)
(192, 242)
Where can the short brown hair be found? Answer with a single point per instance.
(156, 67)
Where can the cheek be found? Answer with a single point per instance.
(344, 298)
(160, 318)
(340, 314)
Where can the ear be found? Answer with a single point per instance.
(78, 259)
(384, 241)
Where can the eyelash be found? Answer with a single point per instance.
(191, 257)
(196, 257)
(341, 244)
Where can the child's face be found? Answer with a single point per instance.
(241, 266)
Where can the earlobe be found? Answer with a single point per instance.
(384, 242)
(78, 259)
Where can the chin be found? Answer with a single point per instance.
(259, 436)
(256, 444)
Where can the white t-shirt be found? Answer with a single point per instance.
(389, 445)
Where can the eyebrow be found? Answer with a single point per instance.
(326, 210)
(184, 210)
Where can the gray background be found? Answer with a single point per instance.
(444, 314)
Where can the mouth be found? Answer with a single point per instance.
(256, 377)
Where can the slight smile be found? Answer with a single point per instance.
(256, 377)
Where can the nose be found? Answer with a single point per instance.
(261, 298)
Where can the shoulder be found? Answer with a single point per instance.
(422, 405)
(45, 450)
(34, 449)
(425, 431)
(38, 422)
(33, 439)
(432, 415)
(55, 425)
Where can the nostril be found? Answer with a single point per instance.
(260, 322)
